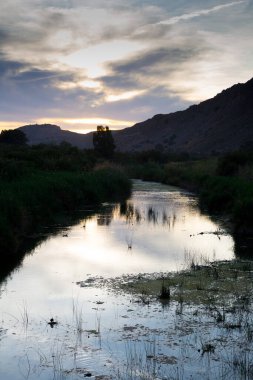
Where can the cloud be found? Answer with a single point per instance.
(198, 13)
(9, 68)
(119, 60)
(32, 94)
(28, 91)
(149, 69)
(150, 61)
(162, 27)
(124, 95)
(36, 34)
(156, 100)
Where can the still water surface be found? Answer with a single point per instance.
(157, 230)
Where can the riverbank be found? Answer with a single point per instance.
(37, 199)
(222, 191)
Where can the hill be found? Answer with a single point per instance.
(221, 124)
(218, 125)
(52, 134)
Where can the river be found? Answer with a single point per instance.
(159, 229)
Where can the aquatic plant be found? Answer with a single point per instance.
(24, 315)
(77, 314)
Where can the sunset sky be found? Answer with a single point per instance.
(80, 63)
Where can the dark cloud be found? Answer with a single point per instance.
(3, 36)
(147, 61)
(9, 68)
(123, 82)
(25, 90)
(155, 66)
(20, 73)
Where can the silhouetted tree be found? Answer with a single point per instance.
(13, 136)
(103, 141)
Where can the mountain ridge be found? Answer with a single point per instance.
(218, 125)
(53, 134)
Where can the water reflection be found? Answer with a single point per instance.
(151, 215)
(32, 243)
(158, 224)
(104, 219)
(159, 229)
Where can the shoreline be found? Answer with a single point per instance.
(45, 197)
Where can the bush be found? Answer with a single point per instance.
(230, 164)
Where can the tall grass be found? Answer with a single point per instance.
(37, 197)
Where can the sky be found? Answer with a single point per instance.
(80, 63)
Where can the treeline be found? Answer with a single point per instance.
(39, 182)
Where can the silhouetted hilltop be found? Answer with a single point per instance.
(221, 124)
(52, 134)
(218, 125)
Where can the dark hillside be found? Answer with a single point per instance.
(52, 134)
(221, 124)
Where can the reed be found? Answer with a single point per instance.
(37, 198)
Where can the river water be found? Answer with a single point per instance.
(98, 332)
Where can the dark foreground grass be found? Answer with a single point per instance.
(36, 198)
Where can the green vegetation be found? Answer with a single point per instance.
(37, 183)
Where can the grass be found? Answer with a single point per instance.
(78, 319)
(39, 181)
(38, 197)
(24, 316)
(218, 285)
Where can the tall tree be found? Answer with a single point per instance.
(13, 136)
(103, 141)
